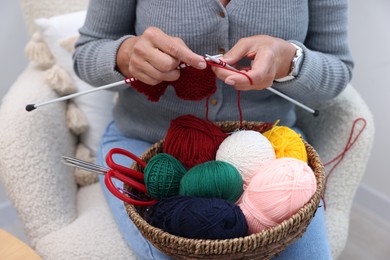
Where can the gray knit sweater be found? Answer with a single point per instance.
(318, 26)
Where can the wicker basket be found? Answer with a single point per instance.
(262, 245)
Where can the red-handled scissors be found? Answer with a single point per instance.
(126, 175)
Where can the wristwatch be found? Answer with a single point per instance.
(296, 64)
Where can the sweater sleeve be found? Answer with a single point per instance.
(107, 25)
(327, 65)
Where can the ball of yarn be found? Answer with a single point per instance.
(286, 142)
(162, 176)
(277, 191)
(192, 140)
(212, 179)
(201, 218)
(246, 150)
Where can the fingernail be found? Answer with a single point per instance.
(202, 65)
(230, 82)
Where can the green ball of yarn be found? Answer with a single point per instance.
(162, 176)
(213, 179)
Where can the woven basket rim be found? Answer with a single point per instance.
(265, 244)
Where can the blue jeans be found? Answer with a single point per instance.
(314, 243)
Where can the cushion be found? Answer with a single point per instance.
(60, 33)
(47, 8)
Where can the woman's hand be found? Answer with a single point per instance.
(271, 59)
(153, 57)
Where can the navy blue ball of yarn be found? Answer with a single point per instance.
(196, 217)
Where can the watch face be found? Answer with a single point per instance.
(297, 62)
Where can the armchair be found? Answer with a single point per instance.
(65, 221)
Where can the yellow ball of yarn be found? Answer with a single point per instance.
(287, 143)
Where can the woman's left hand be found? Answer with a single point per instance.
(271, 59)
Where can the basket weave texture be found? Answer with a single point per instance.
(263, 245)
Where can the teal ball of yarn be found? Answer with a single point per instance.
(212, 179)
(162, 176)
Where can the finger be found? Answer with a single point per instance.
(263, 68)
(162, 61)
(145, 55)
(240, 80)
(143, 71)
(252, 79)
(234, 78)
(172, 75)
(150, 75)
(222, 73)
(176, 48)
(239, 51)
(262, 72)
(162, 67)
(145, 78)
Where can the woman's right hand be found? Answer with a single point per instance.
(154, 56)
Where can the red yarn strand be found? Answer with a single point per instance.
(223, 65)
(207, 107)
(351, 141)
(239, 107)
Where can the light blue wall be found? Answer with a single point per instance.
(13, 39)
(370, 44)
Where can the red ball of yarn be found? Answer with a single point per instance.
(192, 140)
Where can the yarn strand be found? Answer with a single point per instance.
(223, 66)
(207, 107)
(239, 107)
(351, 141)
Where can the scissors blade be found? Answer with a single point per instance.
(91, 167)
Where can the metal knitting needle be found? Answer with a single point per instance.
(94, 168)
(31, 107)
(84, 165)
(313, 111)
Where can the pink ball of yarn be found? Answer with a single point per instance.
(276, 192)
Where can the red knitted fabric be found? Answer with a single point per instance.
(152, 92)
(193, 84)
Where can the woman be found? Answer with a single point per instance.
(298, 47)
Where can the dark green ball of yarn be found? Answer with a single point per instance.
(212, 179)
(162, 176)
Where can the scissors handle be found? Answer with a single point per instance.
(129, 181)
(126, 170)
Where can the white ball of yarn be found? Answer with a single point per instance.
(246, 150)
